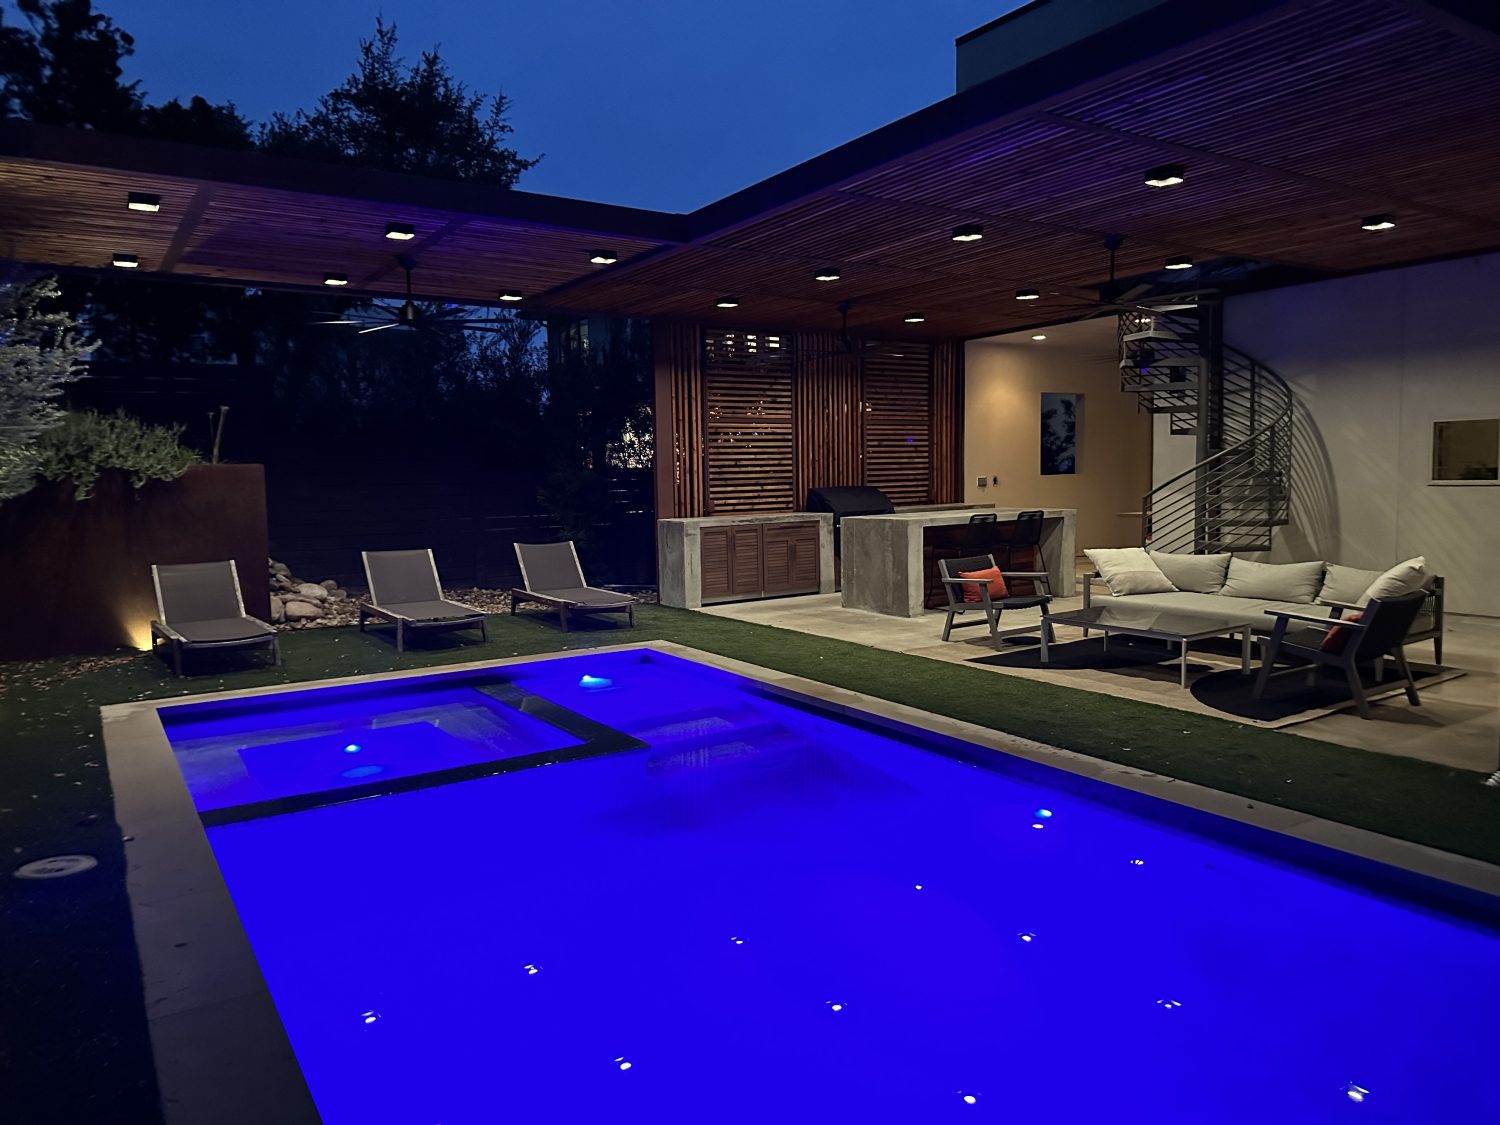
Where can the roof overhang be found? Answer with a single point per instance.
(1294, 118)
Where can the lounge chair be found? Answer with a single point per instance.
(405, 591)
(991, 607)
(1378, 635)
(552, 577)
(199, 606)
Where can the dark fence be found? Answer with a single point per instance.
(322, 515)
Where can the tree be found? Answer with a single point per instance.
(40, 350)
(419, 120)
(66, 68)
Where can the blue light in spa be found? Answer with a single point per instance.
(352, 748)
(1043, 814)
(594, 682)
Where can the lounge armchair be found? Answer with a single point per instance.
(552, 576)
(991, 607)
(1379, 634)
(405, 591)
(199, 606)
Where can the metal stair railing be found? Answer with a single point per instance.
(1238, 492)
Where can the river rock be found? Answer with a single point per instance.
(311, 591)
(302, 611)
(278, 610)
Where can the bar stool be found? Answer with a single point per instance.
(977, 537)
(1016, 546)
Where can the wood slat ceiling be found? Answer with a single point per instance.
(1293, 119)
(1293, 126)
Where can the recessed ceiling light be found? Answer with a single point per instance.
(830, 274)
(1028, 294)
(1039, 336)
(124, 261)
(1179, 263)
(969, 232)
(914, 318)
(143, 201)
(335, 279)
(401, 232)
(727, 303)
(510, 294)
(1165, 176)
(604, 258)
(1377, 222)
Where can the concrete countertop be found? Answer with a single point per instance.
(962, 515)
(747, 517)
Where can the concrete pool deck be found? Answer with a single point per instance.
(221, 1053)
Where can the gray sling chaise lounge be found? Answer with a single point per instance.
(553, 577)
(404, 590)
(199, 606)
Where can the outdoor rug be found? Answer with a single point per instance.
(1288, 699)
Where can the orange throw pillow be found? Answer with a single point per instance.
(1336, 639)
(997, 584)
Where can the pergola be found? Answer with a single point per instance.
(1292, 121)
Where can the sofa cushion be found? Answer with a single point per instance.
(1201, 574)
(1247, 611)
(1404, 578)
(1129, 570)
(1284, 582)
(1346, 584)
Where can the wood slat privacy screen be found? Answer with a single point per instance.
(752, 420)
(748, 440)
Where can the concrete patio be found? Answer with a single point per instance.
(1457, 723)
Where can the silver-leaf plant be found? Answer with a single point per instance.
(41, 351)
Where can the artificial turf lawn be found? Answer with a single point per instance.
(77, 1037)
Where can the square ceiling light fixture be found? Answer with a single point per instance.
(968, 232)
(1167, 175)
(143, 201)
(124, 261)
(400, 232)
(604, 257)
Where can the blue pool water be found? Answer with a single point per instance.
(757, 912)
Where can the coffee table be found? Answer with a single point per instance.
(1170, 625)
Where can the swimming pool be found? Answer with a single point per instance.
(625, 886)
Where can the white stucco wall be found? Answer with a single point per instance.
(1374, 360)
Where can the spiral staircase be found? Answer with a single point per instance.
(1238, 491)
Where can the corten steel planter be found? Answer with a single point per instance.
(75, 575)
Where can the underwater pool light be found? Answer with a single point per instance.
(352, 748)
(587, 681)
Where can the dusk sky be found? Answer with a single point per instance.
(668, 104)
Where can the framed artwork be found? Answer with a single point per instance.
(1060, 416)
(1466, 451)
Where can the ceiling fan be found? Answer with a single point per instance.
(1139, 298)
(847, 347)
(409, 315)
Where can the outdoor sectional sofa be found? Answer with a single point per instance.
(1240, 588)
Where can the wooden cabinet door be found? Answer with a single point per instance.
(791, 554)
(746, 568)
(730, 563)
(714, 564)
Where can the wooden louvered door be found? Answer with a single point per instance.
(731, 563)
(791, 558)
(898, 421)
(747, 426)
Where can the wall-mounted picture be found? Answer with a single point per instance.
(1466, 451)
(1060, 433)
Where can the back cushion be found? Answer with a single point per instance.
(1346, 584)
(1202, 574)
(1277, 582)
(1129, 570)
(1404, 578)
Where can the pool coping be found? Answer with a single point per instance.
(220, 1050)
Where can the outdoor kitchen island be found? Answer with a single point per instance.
(882, 561)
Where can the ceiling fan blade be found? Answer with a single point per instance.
(378, 327)
(1131, 294)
